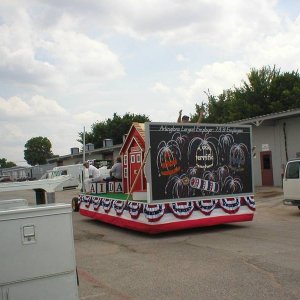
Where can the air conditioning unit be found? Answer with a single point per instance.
(74, 151)
(89, 147)
(107, 143)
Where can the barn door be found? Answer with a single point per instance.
(135, 164)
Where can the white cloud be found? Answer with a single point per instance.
(52, 56)
(37, 106)
(160, 88)
(81, 57)
(14, 107)
(181, 58)
(282, 49)
(216, 23)
(88, 118)
(38, 116)
(17, 52)
(186, 76)
(215, 77)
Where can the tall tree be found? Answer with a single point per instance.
(113, 128)
(265, 91)
(6, 164)
(37, 150)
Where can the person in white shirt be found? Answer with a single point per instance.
(93, 176)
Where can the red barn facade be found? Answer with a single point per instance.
(132, 154)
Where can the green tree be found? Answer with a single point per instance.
(37, 150)
(265, 91)
(113, 128)
(6, 164)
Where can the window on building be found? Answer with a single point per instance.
(125, 159)
(267, 162)
(292, 170)
(125, 172)
(138, 158)
(132, 158)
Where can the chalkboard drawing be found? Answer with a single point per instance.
(132, 152)
(167, 158)
(179, 138)
(192, 171)
(204, 185)
(233, 185)
(223, 172)
(237, 157)
(203, 152)
(178, 186)
(225, 142)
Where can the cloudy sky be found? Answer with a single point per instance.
(70, 63)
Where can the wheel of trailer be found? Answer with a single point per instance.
(75, 204)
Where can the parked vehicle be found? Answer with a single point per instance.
(291, 183)
(75, 171)
(5, 179)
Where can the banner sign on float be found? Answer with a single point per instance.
(203, 161)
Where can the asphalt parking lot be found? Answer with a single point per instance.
(251, 260)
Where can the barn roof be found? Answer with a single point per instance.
(140, 128)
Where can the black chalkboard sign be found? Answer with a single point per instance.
(188, 161)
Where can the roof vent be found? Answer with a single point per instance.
(74, 150)
(89, 147)
(107, 143)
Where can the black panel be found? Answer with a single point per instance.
(192, 160)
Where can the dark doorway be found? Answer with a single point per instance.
(266, 168)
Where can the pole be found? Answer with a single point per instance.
(83, 160)
(83, 152)
(137, 176)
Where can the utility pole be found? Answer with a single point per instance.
(83, 158)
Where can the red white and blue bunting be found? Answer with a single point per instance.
(154, 212)
(206, 206)
(230, 205)
(119, 206)
(80, 198)
(106, 204)
(135, 209)
(182, 210)
(96, 202)
(88, 200)
(249, 200)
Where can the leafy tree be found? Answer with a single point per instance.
(37, 150)
(267, 90)
(113, 128)
(6, 164)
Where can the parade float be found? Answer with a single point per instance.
(177, 176)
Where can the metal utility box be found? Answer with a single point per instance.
(37, 256)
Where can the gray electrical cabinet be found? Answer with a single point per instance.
(37, 256)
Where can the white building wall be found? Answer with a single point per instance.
(261, 136)
(272, 134)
